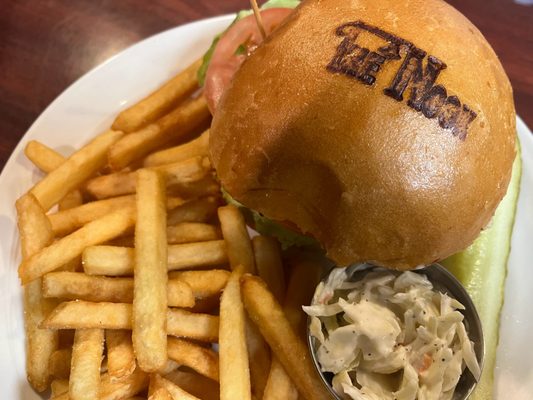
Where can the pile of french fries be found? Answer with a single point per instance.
(139, 282)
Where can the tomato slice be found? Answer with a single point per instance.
(237, 43)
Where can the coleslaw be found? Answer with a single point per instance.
(390, 336)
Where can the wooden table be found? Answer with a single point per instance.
(46, 45)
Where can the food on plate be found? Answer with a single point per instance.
(84, 379)
(384, 133)
(141, 255)
(370, 330)
(233, 352)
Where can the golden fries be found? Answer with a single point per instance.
(267, 253)
(260, 358)
(234, 365)
(196, 147)
(35, 234)
(121, 183)
(71, 200)
(146, 229)
(84, 383)
(199, 210)
(237, 240)
(67, 221)
(112, 389)
(160, 101)
(288, 347)
(304, 276)
(201, 359)
(188, 232)
(203, 283)
(166, 388)
(79, 286)
(75, 170)
(120, 354)
(58, 387)
(202, 327)
(59, 363)
(118, 261)
(195, 384)
(84, 315)
(150, 283)
(173, 126)
(44, 158)
(71, 246)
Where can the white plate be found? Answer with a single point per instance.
(88, 107)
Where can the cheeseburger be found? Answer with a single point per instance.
(384, 130)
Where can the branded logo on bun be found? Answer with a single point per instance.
(431, 100)
(383, 132)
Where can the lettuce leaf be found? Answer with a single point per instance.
(266, 226)
(202, 71)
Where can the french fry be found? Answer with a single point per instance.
(79, 286)
(179, 294)
(85, 315)
(207, 186)
(71, 246)
(188, 232)
(84, 383)
(71, 200)
(173, 126)
(266, 312)
(279, 385)
(198, 210)
(67, 221)
(112, 389)
(58, 386)
(267, 253)
(203, 283)
(160, 101)
(150, 283)
(44, 158)
(196, 147)
(233, 352)
(122, 183)
(120, 354)
(270, 268)
(173, 390)
(59, 363)
(196, 255)
(111, 185)
(35, 234)
(200, 359)
(108, 260)
(305, 274)
(47, 159)
(201, 327)
(159, 394)
(75, 170)
(236, 237)
(196, 384)
(118, 261)
(260, 359)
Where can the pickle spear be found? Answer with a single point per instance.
(482, 269)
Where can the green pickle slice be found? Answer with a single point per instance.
(482, 269)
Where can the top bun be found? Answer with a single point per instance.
(384, 129)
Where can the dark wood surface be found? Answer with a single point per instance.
(46, 45)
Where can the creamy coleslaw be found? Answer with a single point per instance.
(390, 336)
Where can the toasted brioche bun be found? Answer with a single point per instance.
(302, 139)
